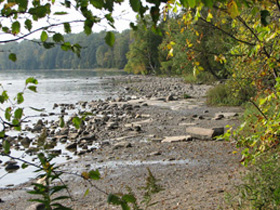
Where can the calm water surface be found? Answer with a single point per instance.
(55, 86)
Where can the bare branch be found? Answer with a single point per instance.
(228, 34)
(39, 29)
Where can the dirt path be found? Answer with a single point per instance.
(195, 174)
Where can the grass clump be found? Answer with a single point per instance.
(225, 94)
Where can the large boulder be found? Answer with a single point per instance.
(205, 133)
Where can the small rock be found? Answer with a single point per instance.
(36, 207)
(169, 98)
(122, 145)
(170, 139)
(71, 146)
(204, 133)
(156, 153)
(11, 166)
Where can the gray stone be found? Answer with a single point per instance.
(71, 146)
(226, 115)
(112, 125)
(170, 139)
(204, 133)
(55, 151)
(156, 153)
(90, 137)
(122, 145)
(11, 166)
(36, 207)
(170, 98)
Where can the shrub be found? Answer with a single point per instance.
(261, 186)
(225, 94)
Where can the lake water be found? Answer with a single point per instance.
(55, 86)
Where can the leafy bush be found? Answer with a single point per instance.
(261, 187)
(225, 94)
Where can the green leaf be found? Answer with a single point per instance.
(67, 28)
(2, 134)
(32, 88)
(110, 38)
(155, 13)
(6, 146)
(24, 165)
(66, 46)
(184, 3)
(20, 98)
(265, 17)
(232, 9)
(60, 198)
(208, 3)
(15, 27)
(88, 26)
(61, 122)
(48, 45)
(125, 206)
(113, 199)
(129, 198)
(110, 18)
(67, 3)
(58, 37)
(192, 3)
(97, 3)
(37, 110)
(95, 175)
(28, 24)
(60, 13)
(13, 57)
(77, 122)
(86, 192)
(44, 36)
(16, 123)
(5, 29)
(18, 113)
(4, 97)
(133, 26)
(135, 5)
(8, 113)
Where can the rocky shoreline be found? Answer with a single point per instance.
(159, 123)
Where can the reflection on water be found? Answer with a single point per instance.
(55, 86)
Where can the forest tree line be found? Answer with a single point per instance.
(95, 53)
(140, 51)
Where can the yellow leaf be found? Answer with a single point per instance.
(232, 9)
(169, 46)
(196, 33)
(9, 5)
(182, 30)
(209, 17)
(196, 63)
(85, 175)
(170, 53)
(172, 43)
(200, 68)
(234, 152)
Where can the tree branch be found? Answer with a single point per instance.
(228, 34)
(39, 29)
(278, 4)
